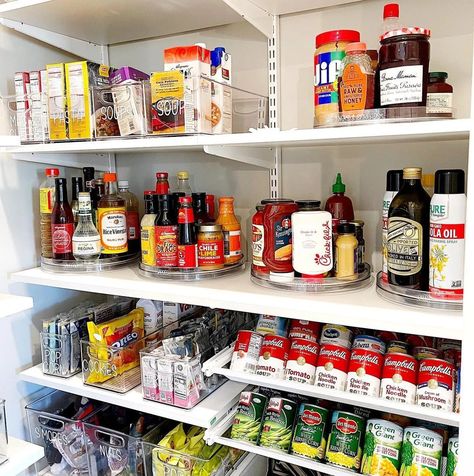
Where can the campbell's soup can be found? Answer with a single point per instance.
(420, 341)
(300, 329)
(302, 359)
(246, 352)
(457, 404)
(365, 369)
(336, 335)
(331, 369)
(435, 389)
(369, 343)
(398, 347)
(422, 352)
(399, 378)
(273, 356)
(387, 336)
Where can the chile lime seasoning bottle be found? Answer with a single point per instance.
(338, 205)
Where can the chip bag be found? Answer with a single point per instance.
(114, 346)
(175, 440)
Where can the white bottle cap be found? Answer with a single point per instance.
(123, 183)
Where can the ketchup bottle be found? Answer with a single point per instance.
(338, 205)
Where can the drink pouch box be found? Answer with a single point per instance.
(221, 92)
(39, 109)
(23, 106)
(165, 380)
(57, 106)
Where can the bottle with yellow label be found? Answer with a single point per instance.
(112, 219)
(147, 228)
(47, 190)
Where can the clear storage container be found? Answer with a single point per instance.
(3, 433)
(60, 354)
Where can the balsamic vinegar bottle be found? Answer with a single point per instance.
(408, 233)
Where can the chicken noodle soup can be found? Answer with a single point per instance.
(300, 329)
(435, 388)
(399, 378)
(422, 352)
(272, 325)
(302, 359)
(277, 426)
(382, 448)
(369, 343)
(344, 446)
(365, 369)
(273, 356)
(331, 370)
(334, 334)
(246, 352)
(309, 437)
(398, 347)
(451, 467)
(421, 452)
(248, 418)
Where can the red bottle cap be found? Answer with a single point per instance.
(185, 200)
(356, 46)
(149, 192)
(337, 35)
(209, 197)
(110, 177)
(391, 10)
(52, 172)
(161, 174)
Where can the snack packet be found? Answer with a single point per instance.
(175, 441)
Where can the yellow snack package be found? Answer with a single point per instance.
(114, 346)
(175, 441)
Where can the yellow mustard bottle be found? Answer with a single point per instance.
(346, 251)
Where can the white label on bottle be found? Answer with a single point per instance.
(387, 200)
(401, 85)
(85, 245)
(258, 241)
(439, 103)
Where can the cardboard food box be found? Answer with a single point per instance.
(39, 105)
(23, 106)
(221, 92)
(57, 107)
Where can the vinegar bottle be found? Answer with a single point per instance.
(47, 195)
(62, 223)
(133, 220)
(231, 229)
(86, 239)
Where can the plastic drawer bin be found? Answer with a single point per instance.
(60, 354)
(55, 422)
(3, 433)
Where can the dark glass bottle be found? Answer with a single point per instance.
(77, 188)
(89, 184)
(200, 209)
(187, 239)
(408, 233)
(175, 196)
(62, 223)
(166, 233)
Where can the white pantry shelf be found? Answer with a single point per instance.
(9, 141)
(218, 365)
(11, 304)
(207, 413)
(362, 308)
(21, 455)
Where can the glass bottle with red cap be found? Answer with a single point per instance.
(162, 185)
(166, 233)
(46, 199)
(187, 239)
(62, 223)
(391, 17)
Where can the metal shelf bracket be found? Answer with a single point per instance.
(102, 162)
(258, 156)
(256, 16)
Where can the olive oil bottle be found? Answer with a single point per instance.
(408, 233)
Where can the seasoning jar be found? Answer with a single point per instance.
(346, 246)
(404, 60)
(210, 241)
(330, 50)
(359, 233)
(439, 102)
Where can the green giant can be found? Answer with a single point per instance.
(451, 468)
(247, 420)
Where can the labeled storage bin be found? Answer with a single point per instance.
(60, 354)
(55, 423)
(3, 433)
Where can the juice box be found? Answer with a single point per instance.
(23, 106)
(39, 105)
(57, 107)
(221, 92)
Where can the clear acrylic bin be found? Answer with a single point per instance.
(60, 354)
(3, 433)
(55, 423)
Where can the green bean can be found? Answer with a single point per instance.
(421, 452)
(278, 422)
(248, 418)
(382, 448)
(451, 468)
(309, 438)
(345, 440)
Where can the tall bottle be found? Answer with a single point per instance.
(211, 206)
(89, 186)
(112, 219)
(394, 182)
(447, 219)
(199, 207)
(147, 228)
(77, 188)
(183, 183)
(62, 223)
(133, 220)
(187, 239)
(408, 237)
(338, 204)
(391, 18)
(162, 186)
(166, 233)
(46, 199)
(231, 229)
(86, 239)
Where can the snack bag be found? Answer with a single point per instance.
(217, 456)
(116, 345)
(175, 440)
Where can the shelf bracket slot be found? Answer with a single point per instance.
(256, 16)
(101, 162)
(258, 156)
(83, 49)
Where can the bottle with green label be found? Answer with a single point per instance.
(408, 237)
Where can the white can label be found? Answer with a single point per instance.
(360, 383)
(439, 103)
(401, 85)
(258, 242)
(330, 378)
(86, 245)
(300, 372)
(396, 390)
(271, 367)
(246, 361)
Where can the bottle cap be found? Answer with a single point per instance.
(161, 174)
(185, 199)
(412, 173)
(60, 181)
(53, 172)
(147, 194)
(438, 75)
(201, 45)
(110, 177)
(226, 199)
(394, 180)
(308, 205)
(216, 55)
(345, 228)
(356, 46)
(207, 227)
(406, 31)
(338, 186)
(259, 208)
(357, 223)
(123, 183)
(334, 36)
(265, 201)
(183, 175)
(391, 10)
(199, 196)
(449, 181)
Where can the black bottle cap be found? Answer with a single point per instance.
(276, 200)
(199, 196)
(308, 205)
(449, 181)
(178, 194)
(346, 228)
(394, 180)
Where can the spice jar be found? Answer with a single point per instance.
(439, 102)
(346, 251)
(210, 241)
(404, 60)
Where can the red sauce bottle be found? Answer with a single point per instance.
(258, 241)
(187, 239)
(338, 205)
(62, 223)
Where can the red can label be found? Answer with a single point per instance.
(365, 369)
(273, 356)
(331, 370)
(246, 351)
(421, 353)
(210, 252)
(187, 256)
(302, 358)
(399, 378)
(304, 330)
(166, 246)
(61, 235)
(436, 384)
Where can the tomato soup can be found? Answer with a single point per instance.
(369, 343)
(248, 417)
(453, 447)
(422, 352)
(344, 446)
(277, 426)
(337, 335)
(382, 448)
(399, 378)
(435, 388)
(398, 347)
(246, 352)
(331, 369)
(365, 369)
(302, 359)
(273, 356)
(300, 329)
(309, 437)
(421, 452)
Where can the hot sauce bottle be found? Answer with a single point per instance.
(258, 241)
(187, 240)
(166, 234)
(231, 229)
(162, 186)
(338, 204)
(62, 223)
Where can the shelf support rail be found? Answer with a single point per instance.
(102, 162)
